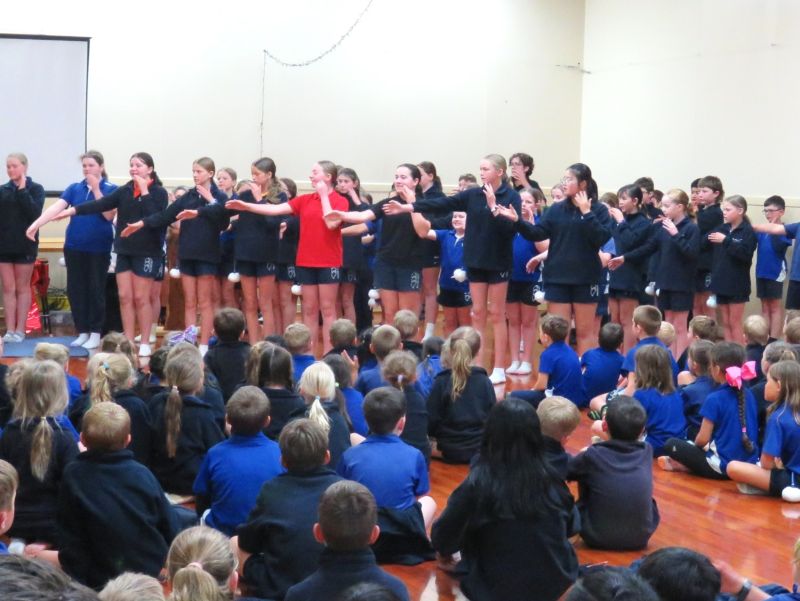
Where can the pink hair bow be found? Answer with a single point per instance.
(734, 375)
(188, 335)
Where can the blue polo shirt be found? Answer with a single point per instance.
(722, 408)
(393, 471)
(452, 258)
(693, 396)
(354, 401)
(771, 256)
(783, 438)
(370, 379)
(3, 548)
(232, 474)
(524, 251)
(301, 363)
(791, 233)
(629, 364)
(600, 371)
(665, 417)
(563, 369)
(88, 233)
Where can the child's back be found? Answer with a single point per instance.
(226, 360)
(601, 369)
(354, 400)
(416, 431)
(665, 418)
(285, 405)
(693, 396)
(427, 370)
(563, 367)
(722, 408)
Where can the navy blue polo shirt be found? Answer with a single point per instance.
(301, 363)
(232, 474)
(665, 417)
(629, 364)
(88, 233)
(722, 409)
(783, 438)
(563, 368)
(452, 258)
(600, 371)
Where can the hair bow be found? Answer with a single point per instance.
(188, 335)
(734, 375)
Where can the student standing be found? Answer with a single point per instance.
(21, 202)
(709, 217)
(87, 249)
(771, 267)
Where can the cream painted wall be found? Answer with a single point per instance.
(447, 81)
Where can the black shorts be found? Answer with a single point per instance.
(143, 267)
(453, 299)
(286, 273)
(572, 293)
(623, 294)
(397, 279)
(255, 269)
(602, 303)
(487, 276)
(702, 281)
(17, 258)
(162, 273)
(349, 275)
(523, 292)
(196, 269)
(226, 263)
(724, 299)
(768, 288)
(674, 300)
(778, 480)
(314, 276)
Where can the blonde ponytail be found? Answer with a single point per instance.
(200, 563)
(316, 385)
(41, 449)
(463, 345)
(184, 373)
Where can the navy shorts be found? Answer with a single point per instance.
(143, 267)
(778, 480)
(674, 300)
(793, 295)
(523, 292)
(724, 299)
(431, 261)
(487, 276)
(314, 276)
(702, 281)
(602, 303)
(227, 263)
(286, 273)
(397, 279)
(623, 294)
(196, 269)
(163, 271)
(768, 288)
(572, 293)
(349, 275)
(255, 269)
(17, 258)
(454, 299)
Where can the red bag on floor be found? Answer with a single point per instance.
(33, 321)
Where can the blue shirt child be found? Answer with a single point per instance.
(629, 364)
(783, 438)
(563, 368)
(665, 417)
(452, 258)
(600, 371)
(722, 408)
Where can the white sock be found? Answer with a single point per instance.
(93, 342)
(430, 330)
(82, 337)
(203, 349)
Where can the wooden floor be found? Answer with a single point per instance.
(754, 534)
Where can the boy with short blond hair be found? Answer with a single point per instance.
(558, 418)
(385, 339)
(9, 482)
(407, 323)
(299, 344)
(342, 337)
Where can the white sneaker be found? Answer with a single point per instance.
(203, 348)
(430, 330)
(153, 339)
(145, 350)
(82, 337)
(512, 369)
(791, 494)
(8, 337)
(747, 489)
(93, 342)
(498, 376)
(19, 336)
(525, 369)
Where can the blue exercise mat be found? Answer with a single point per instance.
(26, 347)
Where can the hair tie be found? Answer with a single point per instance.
(316, 399)
(174, 389)
(400, 378)
(735, 375)
(336, 384)
(105, 365)
(195, 564)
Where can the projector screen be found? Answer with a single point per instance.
(43, 87)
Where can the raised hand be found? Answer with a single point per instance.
(394, 207)
(582, 202)
(186, 214)
(716, 237)
(488, 191)
(92, 181)
(255, 190)
(142, 183)
(205, 193)
(616, 214)
(237, 205)
(406, 193)
(508, 212)
(132, 228)
(668, 225)
(321, 187)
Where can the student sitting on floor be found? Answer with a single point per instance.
(343, 338)
(615, 482)
(756, 337)
(431, 364)
(353, 399)
(400, 371)
(300, 345)
(226, 359)
(347, 526)
(233, 471)
(325, 405)
(693, 395)
(397, 475)
(274, 374)
(601, 365)
(559, 366)
(407, 323)
(385, 339)
(9, 481)
(558, 417)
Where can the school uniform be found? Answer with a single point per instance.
(488, 238)
(401, 252)
(573, 269)
(426, 372)
(210, 395)
(226, 360)
(631, 242)
(319, 250)
(87, 253)
(278, 532)
(563, 369)
(457, 424)
(301, 363)
(353, 257)
(113, 517)
(231, 476)
(339, 433)
(665, 418)
(616, 504)
(227, 240)
(693, 396)
(629, 363)
(369, 379)
(730, 269)
(412, 346)
(256, 246)
(677, 266)
(556, 456)
(3, 548)
(755, 352)
(452, 293)
(141, 424)
(6, 404)
(523, 286)
(431, 255)
(415, 432)
(601, 369)
(708, 219)
(338, 571)
(396, 474)
(19, 208)
(354, 401)
(531, 183)
(36, 501)
(510, 558)
(199, 432)
(782, 440)
(287, 249)
(141, 252)
(771, 265)
(285, 405)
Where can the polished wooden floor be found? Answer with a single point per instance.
(754, 534)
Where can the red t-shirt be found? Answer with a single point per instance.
(318, 246)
